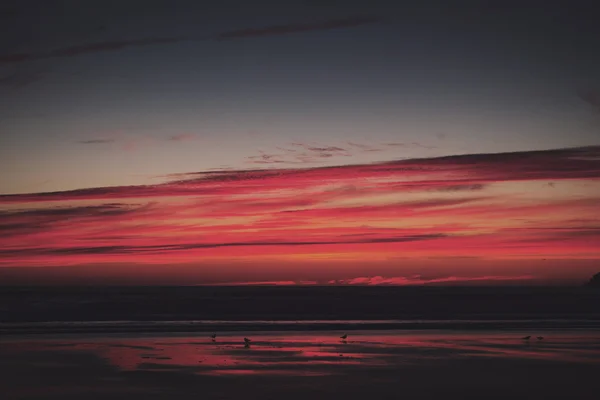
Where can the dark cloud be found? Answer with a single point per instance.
(20, 79)
(184, 137)
(364, 147)
(67, 212)
(328, 149)
(96, 141)
(267, 162)
(297, 28)
(307, 154)
(190, 246)
(97, 47)
(23, 222)
(16, 58)
(109, 46)
(265, 158)
(591, 97)
(359, 145)
(395, 144)
(458, 188)
(73, 51)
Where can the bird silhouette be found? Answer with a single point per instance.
(540, 338)
(344, 337)
(213, 337)
(527, 338)
(247, 342)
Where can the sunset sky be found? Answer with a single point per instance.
(299, 142)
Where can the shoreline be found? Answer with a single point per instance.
(108, 327)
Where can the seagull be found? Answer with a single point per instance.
(540, 338)
(213, 337)
(344, 337)
(527, 338)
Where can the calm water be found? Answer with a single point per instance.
(296, 303)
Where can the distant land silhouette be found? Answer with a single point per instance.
(594, 281)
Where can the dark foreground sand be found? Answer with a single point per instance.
(309, 365)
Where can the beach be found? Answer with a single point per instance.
(402, 343)
(378, 364)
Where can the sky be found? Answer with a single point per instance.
(299, 142)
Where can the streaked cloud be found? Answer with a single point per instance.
(266, 283)
(452, 173)
(591, 97)
(115, 45)
(415, 280)
(97, 141)
(21, 78)
(276, 30)
(418, 280)
(469, 207)
(315, 154)
(97, 47)
(183, 137)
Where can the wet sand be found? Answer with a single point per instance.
(300, 365)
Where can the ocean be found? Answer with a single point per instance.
(302, 308)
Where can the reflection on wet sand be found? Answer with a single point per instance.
(314, 354)
(301, 365)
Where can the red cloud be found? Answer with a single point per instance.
(417, 280)
(438, 207)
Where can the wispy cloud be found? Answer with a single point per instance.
(470, 205)
(591, 97)
(183, 137)
(276, 30)
(129, 143)
(409, 145)
(418, 280)
(20, 79)
(266, 283)
(457, 188)
(299, 153)
(315, 154)
(96, 141)
(363, 147)
(174, 247)
(115, 45)
(97, 47)
(452, 173)
(415, 280)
